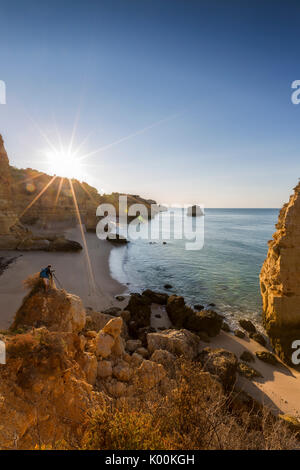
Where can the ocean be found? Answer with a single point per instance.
(224, 272)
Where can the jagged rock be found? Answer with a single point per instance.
(140, 313)
(142, 352)
(168, 286)
(133, 344)
(206, 321)
(89, 365)
(183, 316)
(247, 371)
(58, 311)
(247, 325)
(221, 363)
(122, 372)
(247, 356)
(258, 337)
(104, 369)
(104, 344)
(280, 280)
(178, 342)
(136, 359)
(125, 314)
(113, 327)
(165, 358)
(239, 334)
(267, 356)
(156, 297)
(149, 374)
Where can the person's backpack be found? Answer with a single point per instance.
(44, 273)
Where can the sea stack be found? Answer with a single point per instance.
(280, 281)
(195, 211)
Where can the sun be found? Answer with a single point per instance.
(64, 163)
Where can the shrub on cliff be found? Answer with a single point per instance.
(196, 415)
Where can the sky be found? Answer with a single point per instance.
(185, 101)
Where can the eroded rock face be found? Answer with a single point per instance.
(178, 342)
(280, 280)
(58, 311)
(44, 391)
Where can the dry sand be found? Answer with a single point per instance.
(72, 271)
(279, 388)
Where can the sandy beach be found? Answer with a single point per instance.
(279, 386)
(70, 268)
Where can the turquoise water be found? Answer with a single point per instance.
(225, 272)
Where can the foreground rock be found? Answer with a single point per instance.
(139, 307)
(280, 280)
(221, 363)
(177, 342)
(58, 311)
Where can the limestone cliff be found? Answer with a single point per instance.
(280, 280)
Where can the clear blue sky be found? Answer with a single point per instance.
(214, 75)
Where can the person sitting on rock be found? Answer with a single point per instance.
(46, 275)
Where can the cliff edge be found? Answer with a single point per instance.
(280, 280)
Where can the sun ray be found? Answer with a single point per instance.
(58, 192)
(37, 197)
(88, 193)
(28, 179)
(130, 136)
(90, 269)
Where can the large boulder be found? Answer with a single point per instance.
(206, 321)
(58, 311)
(148, 375)
(178, 342)
(108, 341)
(156, 297)
(222, 363)
(183, 316)
(139, 307)
(280, 281)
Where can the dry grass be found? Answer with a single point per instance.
(196, 415)
(33, 282)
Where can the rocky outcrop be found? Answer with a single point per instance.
(280, 280)
(58, 311)
(221, 363)
(183, 316)
(178, 342)
(195, 211)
